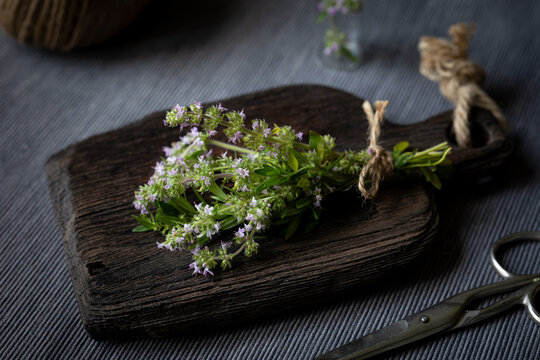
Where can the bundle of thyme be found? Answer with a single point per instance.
(266, 177)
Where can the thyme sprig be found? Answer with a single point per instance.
(266, 177)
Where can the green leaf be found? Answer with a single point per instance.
(228, 223)
(301, 158)
(144, 221)
(195, 154)
(167, 220)
(270, 182)
(199, 196)
(182, 203)
(266, 171)
(303, 202)
(140, 228)
(432, 178)
(400, 147)
(403, 159)
(348, 54)
(168, 209)
(333, 163)
(316, 142)
(291, 211)
(216, 190)
(312, 224)
(321, 17)
(315, 215)
(292, 161)
(293, 226)
(304, 183)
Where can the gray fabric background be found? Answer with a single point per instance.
(174, 55)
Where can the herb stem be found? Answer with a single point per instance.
(223, 145)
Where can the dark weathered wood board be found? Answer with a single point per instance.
(127, 287)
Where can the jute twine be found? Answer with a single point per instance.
(459, 79)
(381, 163)
(66, 24)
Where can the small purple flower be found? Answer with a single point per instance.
(217, 226)
(152, 197)
(370, 151)
(221, 108)
(197, 104)
(243, 173)
(196, 250)
(143, 210)
(207, 271)
(253, 202)
(159, 168)
(255, 125)
(320, 6)
(173, 172)
(225, 245)
(212, 132)
(317, 202)
(332, 10)
(266, 132)
(240, 233)
(241, 113)
(248, 227)
(207, 181)
(260, 213)
(250, 217)
(168, 247)
(195, 267)
(237, 137)
(208, 210)
(300, 135)
(167, 150)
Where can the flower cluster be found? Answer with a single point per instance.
(265, 177)
(334, 7)
(335, 41)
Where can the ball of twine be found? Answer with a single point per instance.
(66, 24)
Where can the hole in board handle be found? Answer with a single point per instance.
(479, 135)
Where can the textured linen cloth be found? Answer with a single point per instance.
(206, 52)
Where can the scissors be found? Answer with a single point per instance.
(452, 313)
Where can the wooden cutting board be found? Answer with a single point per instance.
(126, 287)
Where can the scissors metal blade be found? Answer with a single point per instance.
(430, 321)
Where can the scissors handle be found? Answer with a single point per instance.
(512, 238)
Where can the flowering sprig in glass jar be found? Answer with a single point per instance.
(341, 48)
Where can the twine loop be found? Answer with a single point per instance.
(381, 163)
(459, 79)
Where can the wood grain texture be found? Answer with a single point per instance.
(126, 287)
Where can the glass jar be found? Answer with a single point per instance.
(340, 47)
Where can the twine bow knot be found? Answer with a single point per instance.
(381, 162)
(459, 79)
